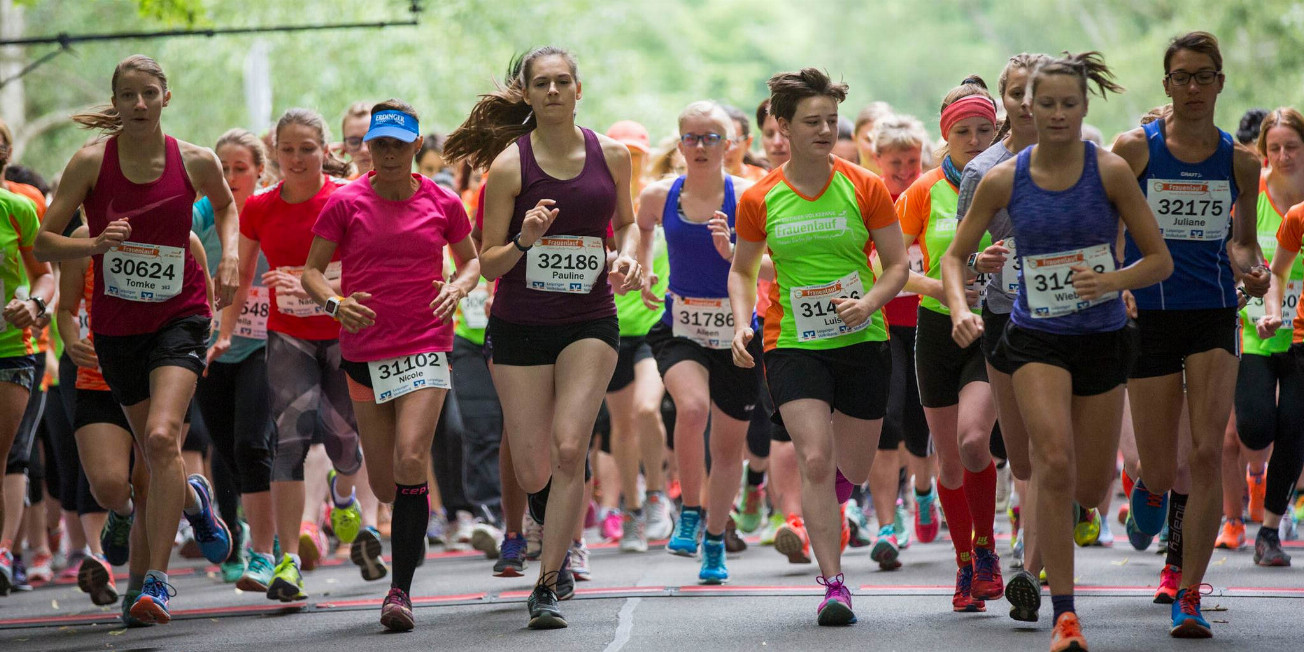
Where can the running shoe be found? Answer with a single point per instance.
(733, 544)
(687, 531)
(859, 525)
(233, 569)
(1139, 540)
(1170, 580)
(1232, 535)
(842, 487)
(210, 532)
(885, 550)
(287, 582)
(713, 567)
(987, 582)
(633, 532)
(1187, 620)
(791, 540)
(1087, 529)
(752, 511)
(365, 552)
(151, 606)
(1267, 549)
(115, 537)
(1149, 510)
(1106, 538)
(257, 575)
(6, 571)
(544, 611)
(928, 519)
(186, 544)
(612, 525)
(1123, 512)
(963, 600)
(1067, 634)
(396, 612)
(1257, 485)
(20, 575)
(486, 538)
(771, 528)
(1014, 514)
(579, 561)
(533, 538)
(40, 572)
(74, 561)
(835, 610)
(511, 558)
(462, 528)
(660, 523)
(1016, 555)
(899, 525)
(437, 529)
(95, 578)
(312, 544)
(1288, 530)
(565, 579)
(131, 622)
(346, 520)
(1023, 591)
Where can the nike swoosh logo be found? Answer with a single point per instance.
(113, 214)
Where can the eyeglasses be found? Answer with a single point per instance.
(709, 140)
(353, 141)
(1203, 77)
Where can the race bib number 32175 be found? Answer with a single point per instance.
(1190, 210)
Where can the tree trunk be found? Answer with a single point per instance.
(13, 101)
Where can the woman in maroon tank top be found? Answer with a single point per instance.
(552, 189)
(151, 314)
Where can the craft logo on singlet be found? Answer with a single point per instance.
(812, 226)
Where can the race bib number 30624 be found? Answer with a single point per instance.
(567, 263)
(405, 374)
(814, 312)
(143, 272)
(1190, 210)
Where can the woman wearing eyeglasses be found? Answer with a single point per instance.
(691, 342)
(1193, 175)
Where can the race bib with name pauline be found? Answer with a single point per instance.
(148, 273)
(569, 264)
(814, 312)
(405, 374)
(708, 322)
(296, 306)
(1049, 280)
(1190, 210)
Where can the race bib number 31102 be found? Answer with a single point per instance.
(405, 374)
(814, 312)
(143, 272)
(567, 263)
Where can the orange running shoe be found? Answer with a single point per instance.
(791, 540)
(312, 545)
(1257, 485)
(1067, 634)
(1170, 580)
(1232, 535)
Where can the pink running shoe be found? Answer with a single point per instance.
(835, 610)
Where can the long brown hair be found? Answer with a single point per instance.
(104, 117)
(503, 115)
(1022, 61)
(330, 164)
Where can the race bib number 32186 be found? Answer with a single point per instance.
(567, 263)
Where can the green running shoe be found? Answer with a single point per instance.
(900, 525)
(287, 582)
(346, 520)
(752, 511)
(771, 528)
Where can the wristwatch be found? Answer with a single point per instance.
(517, 242)
(973, 261)
(333, 305)
(40, 306)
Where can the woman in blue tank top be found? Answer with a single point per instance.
(691, 343)
(551, 190)
(1067, 339)
(1192, 175)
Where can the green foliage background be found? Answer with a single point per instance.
(644, 59)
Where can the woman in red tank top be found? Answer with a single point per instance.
(151, 314)
(553, 326)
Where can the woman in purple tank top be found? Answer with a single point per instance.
(1067, 342)
(552, 189)
(151, 311)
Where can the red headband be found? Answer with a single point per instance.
(973, 106)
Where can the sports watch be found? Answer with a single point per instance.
(333, 305)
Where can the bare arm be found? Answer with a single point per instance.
(742, 297)
(651, 204)
(502, 185)
(1155, 264)
(206, 176)
(625, 269)
(992, 194)
(1243, 248)
(77, 181)
(468, 276)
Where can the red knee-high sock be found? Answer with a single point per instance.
(958, 521)
(980, 493)
(1127, 484)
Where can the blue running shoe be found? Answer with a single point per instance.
(151, 606)
(1149, 510)
(115, 537)
(683, 541)
(210, 532)
(1139, 540)
(128, 600)
(713, 568)
(1187, 621)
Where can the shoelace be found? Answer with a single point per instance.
(545, 579)
(1191, 599)
(688, 524)
(397, 595)
(514, 547)
(153, 587)
(964, 581)
(985, 566)
(1154, 500)
(833, 586)
(714, 555)
(1069, 628)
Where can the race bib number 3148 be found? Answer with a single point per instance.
(815, 314)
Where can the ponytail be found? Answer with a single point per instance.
(105, 117)
(1088, 67)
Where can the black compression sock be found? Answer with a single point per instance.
(1176, 514)
(408, 531)
(755, 478)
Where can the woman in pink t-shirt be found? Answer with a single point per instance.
(389, 228)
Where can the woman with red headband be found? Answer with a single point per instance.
(952, 380)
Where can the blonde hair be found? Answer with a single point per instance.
(712, 111)
(104, 117)
(898, 132)
(1280, 117)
